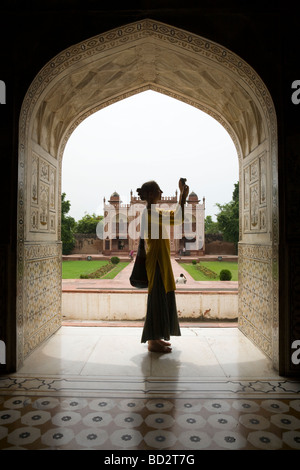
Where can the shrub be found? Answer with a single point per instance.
(225, 275)
(115, 260)
(194, 261)
(99, 273)
(206, 271)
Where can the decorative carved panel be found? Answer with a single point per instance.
(43, 196)
(255, 196)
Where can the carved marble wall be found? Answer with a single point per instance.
(258, 258)
(39, 250)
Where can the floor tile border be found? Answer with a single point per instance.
(139, 387)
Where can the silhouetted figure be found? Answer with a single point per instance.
(161, 319)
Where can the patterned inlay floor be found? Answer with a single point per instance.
(49, 422)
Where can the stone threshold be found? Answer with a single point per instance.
(140, 324)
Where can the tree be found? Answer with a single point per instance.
(228, 217)
(210, 225)
(67, 227)
(88, 223)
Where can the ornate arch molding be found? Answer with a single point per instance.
(39, 112)
(107, 68)
(123, 38)
(158, 89)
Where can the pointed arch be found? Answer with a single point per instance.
(109, 67)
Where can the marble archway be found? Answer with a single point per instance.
(102, 70)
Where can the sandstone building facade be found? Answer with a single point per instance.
(121, 228)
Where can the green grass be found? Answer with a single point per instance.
(116, 270)
(215, 266)
(73, 269)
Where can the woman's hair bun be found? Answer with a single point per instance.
(141, 193)
(146, 188)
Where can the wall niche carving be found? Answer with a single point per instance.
(255, 199)
(42, 200)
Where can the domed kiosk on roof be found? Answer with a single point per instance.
(193, 197)
(115, 198)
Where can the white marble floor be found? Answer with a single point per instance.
(118, 352)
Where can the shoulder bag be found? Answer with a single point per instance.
(138, 276)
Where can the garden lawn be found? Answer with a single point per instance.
(73, 269)
(215, 266)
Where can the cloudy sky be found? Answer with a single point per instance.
(144, 137)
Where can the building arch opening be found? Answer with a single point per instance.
(148, 136)
(146, 55)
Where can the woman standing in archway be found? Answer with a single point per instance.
(161, 319)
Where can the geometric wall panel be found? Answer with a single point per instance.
(42, 278)
(256, 294)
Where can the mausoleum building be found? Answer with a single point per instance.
(121, 230)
